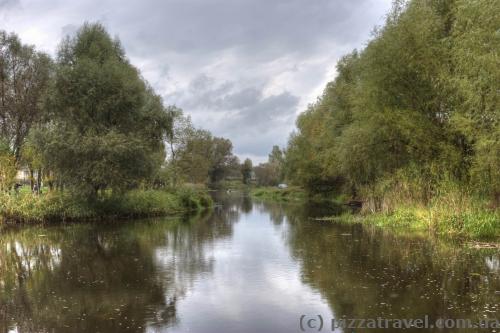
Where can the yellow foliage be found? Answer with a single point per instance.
(8, 171)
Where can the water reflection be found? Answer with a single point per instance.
(368, 273)
(245, 267)
(102, 278)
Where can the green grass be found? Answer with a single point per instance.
(56, 206)
(452, 210)
(451, 214)
(277, 194)
(474, 223)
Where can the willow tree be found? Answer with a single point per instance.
(107, 126)
(24, 78)
(414, 113)
(476, 79)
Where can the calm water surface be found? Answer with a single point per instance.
(246, 267)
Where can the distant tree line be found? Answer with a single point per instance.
(195, 155)
(271, 173)
(416, 113)
(88, 121)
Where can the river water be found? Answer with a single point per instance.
(245, 267)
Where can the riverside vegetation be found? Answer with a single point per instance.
(60, 207)
(94, 138)
(410, 128)
(411, 124)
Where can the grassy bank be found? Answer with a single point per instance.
(56, 206)
(474, 221)
(449, 215)
(277, 194)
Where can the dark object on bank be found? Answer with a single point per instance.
(17, 186)
(355, 203)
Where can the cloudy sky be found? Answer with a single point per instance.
(243, 69)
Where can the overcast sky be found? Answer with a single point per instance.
(243, 69)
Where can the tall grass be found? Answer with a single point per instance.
(68, 206)
(442, 206)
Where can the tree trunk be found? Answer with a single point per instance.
(32, 180)
(50, 180)
(39, 181)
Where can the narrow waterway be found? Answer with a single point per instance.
(245, 267)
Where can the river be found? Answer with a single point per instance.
(247, 266)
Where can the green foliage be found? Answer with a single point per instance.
(106, 125)
(24, 79)
(205, 158)
(473, 222)
(71, 206)
(193, 198)
(246, 171)
(94, 132)
(8, 167)
(412, 115)
(271, 173)
(476, 41)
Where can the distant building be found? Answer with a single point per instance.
(23, 175)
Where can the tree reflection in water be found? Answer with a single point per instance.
(365, 272)
(132, 276)
(112, 277)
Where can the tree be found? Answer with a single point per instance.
(107, 126)
(194, 158)
(415, 109)
(476, 78)
(266, 175)
(179, 130)
(24, 78)
(276, 155)
(33, 159)
(221, 158)
(272, 172)
(205, 158)
(246, 171)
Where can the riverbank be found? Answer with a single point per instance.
(466, 218)
(56, 206)
(278, 194)
(473, 223)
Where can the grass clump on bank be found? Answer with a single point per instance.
(277, 194)
(470, 224)
(470, 219)
(68, 206)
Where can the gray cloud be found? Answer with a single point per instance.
(198, 26)
(69, 29)
(6, 4)
(241, 68)
(246, 115)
